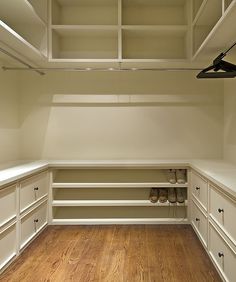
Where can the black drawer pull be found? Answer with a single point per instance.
(197, 219)
(36, 220)
(36, 188)
(220, 210)
(197, 188)
(220, 255)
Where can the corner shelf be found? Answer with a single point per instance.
(212, 28)
(22, 22)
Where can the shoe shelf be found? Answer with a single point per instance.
(15, 19)
(113, 195)
(118, 30)
(119, 185)
(117, 213)
(107, 203)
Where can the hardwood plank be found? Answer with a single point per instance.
(114, 253)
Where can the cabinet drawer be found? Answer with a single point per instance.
(33, 189)
(199, 189)
(32, 223)
(223, 212)
(7, 245)
(199, 221)
(7, 204)
(223, 255)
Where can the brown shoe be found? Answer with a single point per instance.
(163, 193)
(153, 196)
(180, 195)
(172, 195)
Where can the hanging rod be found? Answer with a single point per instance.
(29, 67)
(98, 69)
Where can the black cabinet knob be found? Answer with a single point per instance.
(197, 219)
(197, 188)
(220, 255)
(36, 188)
(36, 220)
(220, 210)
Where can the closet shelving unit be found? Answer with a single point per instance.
(112, 195)
(212, 26)
(23, 25)
(118, 31)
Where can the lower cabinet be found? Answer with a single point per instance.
(222, 254)
(32, 223)
(8, 245)
(199, 221)
(19, 226)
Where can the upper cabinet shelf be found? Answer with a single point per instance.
(21, 18)
(117, 30)
(84, 12)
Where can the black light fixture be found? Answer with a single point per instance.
(221, 68)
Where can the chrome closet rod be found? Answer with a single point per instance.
(99, 69)
(29, 67)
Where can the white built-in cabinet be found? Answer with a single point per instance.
(117, 31)
(212, 217)
(111, 194)
(23, 214)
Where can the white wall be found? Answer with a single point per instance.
(187, 122)
(9, 117)
(230, 120)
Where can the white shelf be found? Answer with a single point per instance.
(104, 203)
(118, 185)
(119, 221)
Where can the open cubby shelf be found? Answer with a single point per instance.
(81, 195)
(118, 30)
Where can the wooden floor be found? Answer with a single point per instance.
(113, 253)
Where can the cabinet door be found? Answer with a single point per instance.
(32, 189)
(7, 245)
(223, 211)
(199, 189)
(32, 223)
(222, 254)
(7, 204)
(199, 221)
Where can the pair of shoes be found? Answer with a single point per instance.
(164, 194)
(158, 193)
(175, 195)
(176, 175)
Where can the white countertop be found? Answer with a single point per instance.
(221, 173)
